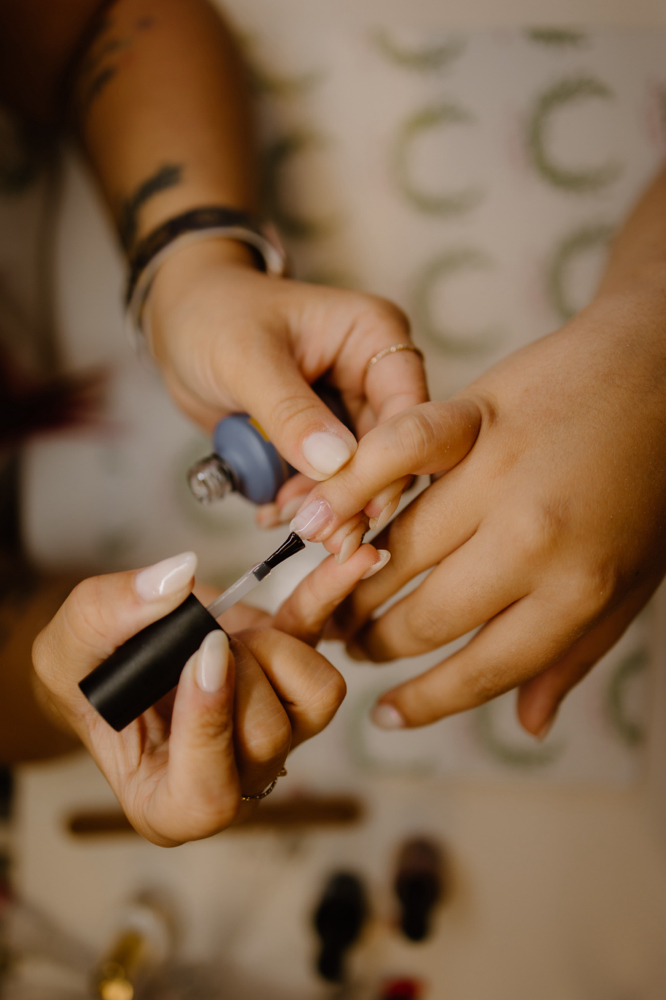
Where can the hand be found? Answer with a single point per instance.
(230, 339)
(180, 770)
(548, 528)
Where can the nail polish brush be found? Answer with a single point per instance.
(150, 663)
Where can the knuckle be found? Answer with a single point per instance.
(417, 437)
(536, 534)
(377, 311)
(291, 410)
(487, 683)
(589, 590)
(423, 623)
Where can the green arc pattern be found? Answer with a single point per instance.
(443, 268)
(560, 38)
(568, 91)
(276, 158)
(632, 733)
(520, 758)
(428, 59)
(424, 121)
(361, 755)
(590, 237)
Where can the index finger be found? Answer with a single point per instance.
(429, 438)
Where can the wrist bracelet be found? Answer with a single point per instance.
(198, 224)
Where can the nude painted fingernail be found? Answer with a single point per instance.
(268, 516)
(350, 545)
(384, 556)
(377, 523)
(546, 728)
(312, 519)
(291, 508)
(387, 717)
(166, 577)
(356, 652)
(212, 660)
(326, 452)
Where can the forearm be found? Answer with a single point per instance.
(161, 108)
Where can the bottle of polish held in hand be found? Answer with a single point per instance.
(245, 461)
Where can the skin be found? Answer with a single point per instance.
(155, 93)
(546, 524)
(179, 771)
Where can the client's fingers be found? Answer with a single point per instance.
(474, 584)
(432, 437)
(519, 643)
(309, 687)
(540, 697)
(200, 793)
(305, 613)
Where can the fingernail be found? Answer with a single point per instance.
(312, 519)
(291, 508)
(545, 729)
(387, 717)
(350, 545)
(212, 659)
(166, 577)
(377, 523)
(384, 556)
(326, 452)
(356, 652)
(268, 516)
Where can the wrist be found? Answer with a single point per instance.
(181, 274)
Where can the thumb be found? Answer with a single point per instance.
(429, 438)
(201, 794)
(101, 613)
(302, 428)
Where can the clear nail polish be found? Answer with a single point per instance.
(291, 508)
(377, 523)
(350, 545)
(387, 717)
(312, 519)
(165, 577)
(384, 556)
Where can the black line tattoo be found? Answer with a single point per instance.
(165, 177)
(105, 57)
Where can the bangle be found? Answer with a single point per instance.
(207, 223)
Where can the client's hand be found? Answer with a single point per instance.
(180, 770)
(548, 528)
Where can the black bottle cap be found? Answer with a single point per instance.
(148, 665)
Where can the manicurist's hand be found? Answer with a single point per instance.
(548, 528)
(229, 338)
(180, 770)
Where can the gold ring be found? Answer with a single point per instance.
(392, 350)
(266, 791)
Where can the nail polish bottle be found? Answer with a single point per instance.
(419, 885)
(338, 920)
(245, 461)
(143, 941)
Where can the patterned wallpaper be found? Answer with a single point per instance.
(476, 180)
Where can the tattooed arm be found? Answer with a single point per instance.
(158, 97)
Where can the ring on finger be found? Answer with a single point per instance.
(391, 350)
